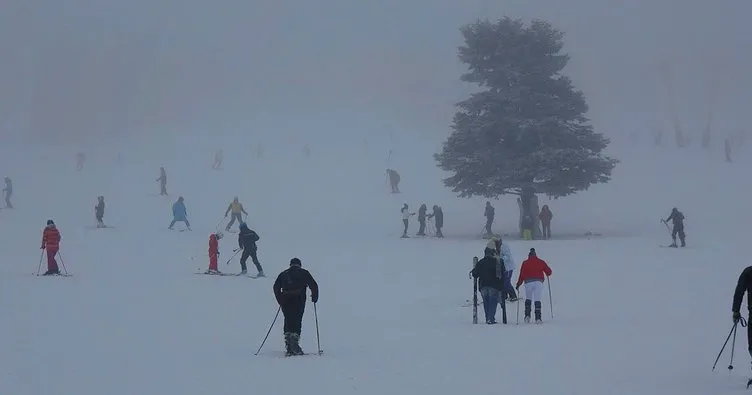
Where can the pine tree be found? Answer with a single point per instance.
(525, 131)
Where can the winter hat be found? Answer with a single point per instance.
(489, 251)
(532, 252)
(49, 222)
(295, 262)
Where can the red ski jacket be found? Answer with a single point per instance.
(533, 269)
(51, 238)
(213, 245)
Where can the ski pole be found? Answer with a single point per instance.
(731, 332)
(733, 346)
(236, 251)
(62, 263)
(318, 339)
(550, 298)
(518, 309)
(269, 331)
(39, 267)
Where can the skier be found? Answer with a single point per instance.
(744, 284)
(290, 292)
(218, 158)
(422, 220)
(237, 210)
(438, 214)
(506, 256)
(527, 227)
(80, 159)
(214, 239)
(8, 190)
(406, 214)
(546, 216)
(394, 180)
(99, 212)
(677, 219)
(162, 181)
(533, 272)
(51, 242)
(489, 213)
(247, 241)
(179, 214)
(489, 272)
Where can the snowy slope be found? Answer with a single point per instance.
(629, 317)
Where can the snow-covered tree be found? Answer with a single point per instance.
(525, 131)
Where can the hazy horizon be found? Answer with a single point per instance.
(86, 71)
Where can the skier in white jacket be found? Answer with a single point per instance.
(406, 214)
(509, 266)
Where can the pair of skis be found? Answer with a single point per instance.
(475, 298)
(228, 274)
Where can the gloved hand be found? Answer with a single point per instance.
(217, 253)
(314, 298)
(41, 248)
(736, 316)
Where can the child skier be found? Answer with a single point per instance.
(51, 242)
(214, 239)
(99, 212)
(533, 272)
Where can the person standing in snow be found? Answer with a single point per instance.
(290, 292)
(394, 180)
(8, 190)
(533, 273)
(506, 256)
(489, 272)
(80, 159)
(179, 213)
(489, 213)
(247, 239)
(744, 284)
(162, 182)
(99, 212)
(677, 219)
(237, 210)
(51, 243)
(218, 158)
(545, 217)
(406, 214)
(214, 239)
(422, 220)
(438, 214)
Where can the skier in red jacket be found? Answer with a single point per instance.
(533, 272)
(214, 253)
(51, 242)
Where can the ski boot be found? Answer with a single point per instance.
(213, 271)
(289, 350)
(243, 272)
(261, 274)
(538, 319)
(51, 272)
(528, 305)
(295, 343)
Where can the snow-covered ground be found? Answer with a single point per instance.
(630, 317)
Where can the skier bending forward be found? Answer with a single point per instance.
(290, 292)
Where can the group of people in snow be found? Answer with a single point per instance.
(527, 224)
(437, 215)
(494, 275)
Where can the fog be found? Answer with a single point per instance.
(84, 71)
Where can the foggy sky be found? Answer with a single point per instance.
(78, 69)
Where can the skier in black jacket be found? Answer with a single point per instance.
(438, 214)
(490, 274)
(247, 241)
(744, 284)
(290, 292)
(422, 220)
(99, 212)
(677, 219)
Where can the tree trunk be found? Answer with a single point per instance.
(528, 203)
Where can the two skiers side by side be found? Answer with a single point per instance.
(490, 274)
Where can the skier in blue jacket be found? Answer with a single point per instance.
(179, 213)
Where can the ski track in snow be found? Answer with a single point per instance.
(630, 318)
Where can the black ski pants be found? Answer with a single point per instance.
(422, 229)
(678, 230)
(489, 222)
(293, 310)
(250, 252)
